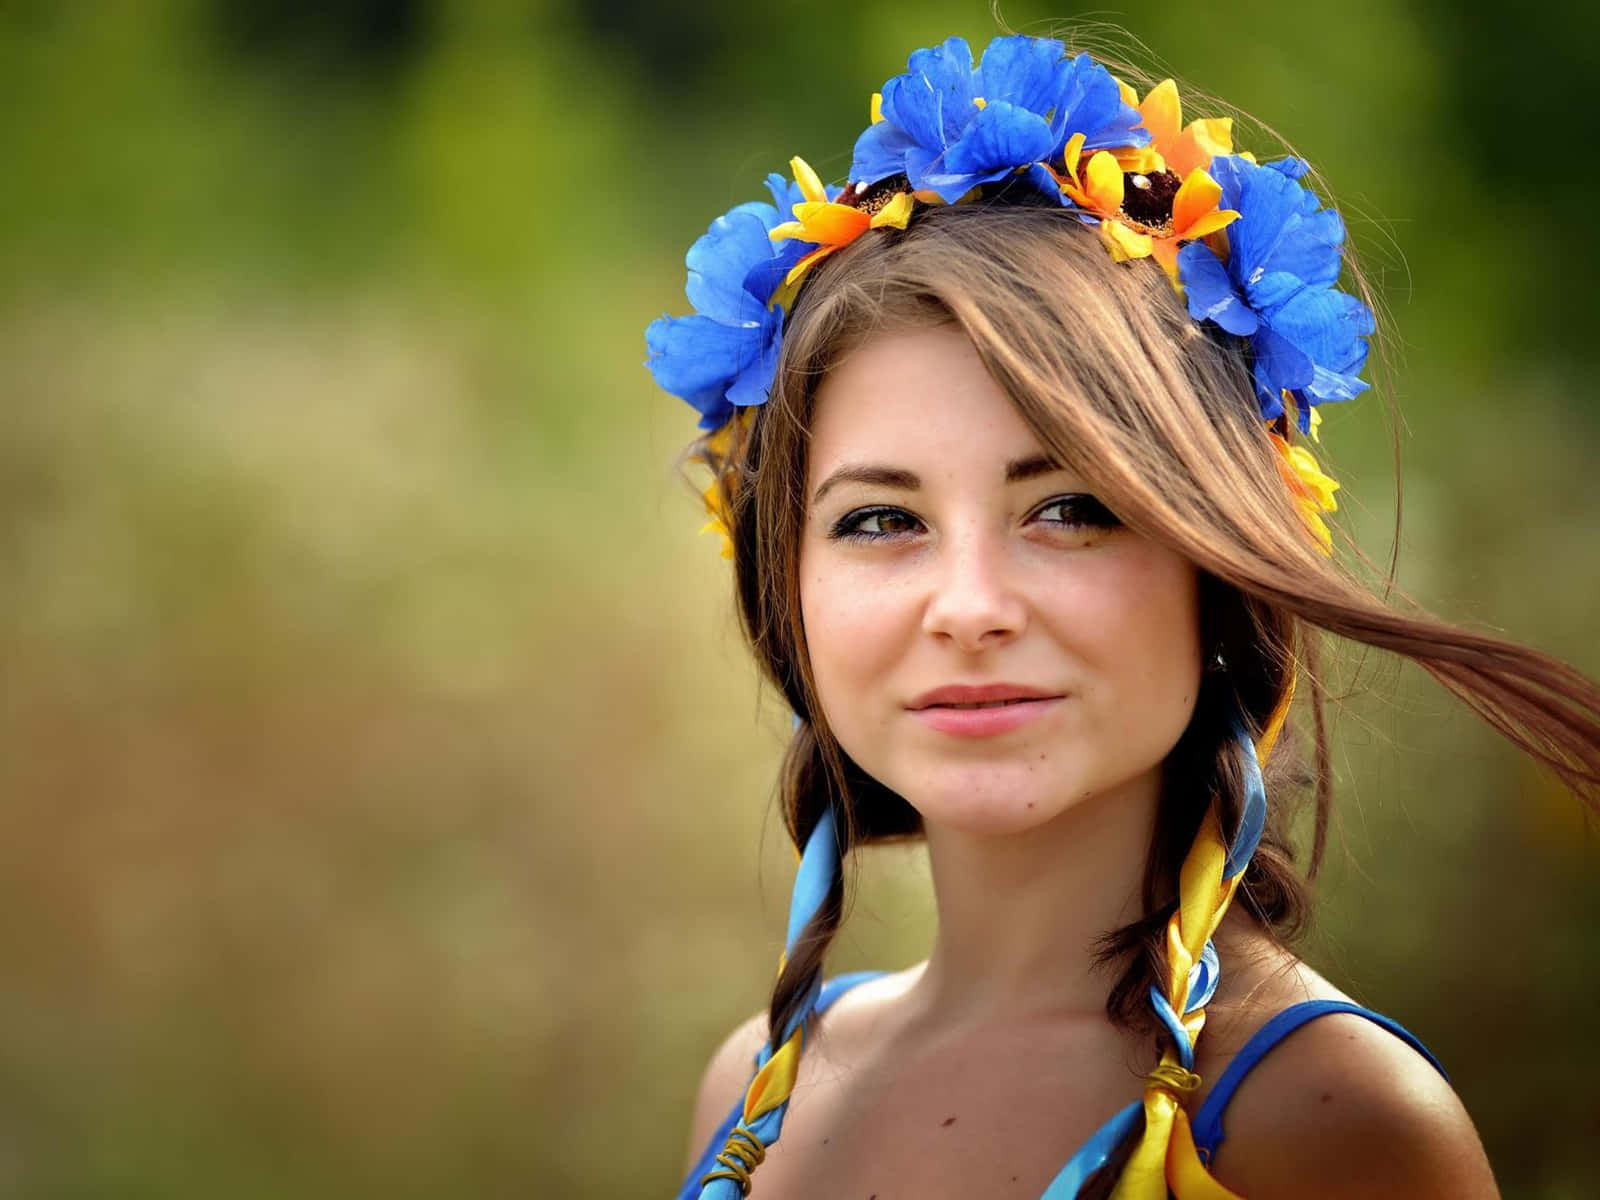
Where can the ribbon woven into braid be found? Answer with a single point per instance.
(1166, 1156)
(767, 1098)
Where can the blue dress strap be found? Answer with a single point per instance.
(1207, 1124)
(831, 991)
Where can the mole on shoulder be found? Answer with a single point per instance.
(948, 1121)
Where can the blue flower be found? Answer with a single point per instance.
(1277, 287)
(949, 127)
(726, 353)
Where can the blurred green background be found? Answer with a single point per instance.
(386, 793)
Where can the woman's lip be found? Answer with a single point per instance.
(985, 722)
(983, 693)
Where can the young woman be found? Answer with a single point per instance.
(1027, 532)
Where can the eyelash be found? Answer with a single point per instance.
(1091, 514)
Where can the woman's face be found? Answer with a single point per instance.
(987, 640)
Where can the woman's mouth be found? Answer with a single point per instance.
(983, 711)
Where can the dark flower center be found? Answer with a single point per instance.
(1147, 199)
(871, 198)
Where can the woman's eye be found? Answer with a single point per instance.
(1076, 512)
(867, 524)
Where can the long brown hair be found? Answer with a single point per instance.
(1158, 414)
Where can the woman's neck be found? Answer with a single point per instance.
(1020, 915)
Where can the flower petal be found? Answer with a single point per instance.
(828, 224)
(798, 271)
(763, 280)
(1279, 364)
(754, 381)
(1124, 243)
(895, 214)
(1103, 184)
(810, 186)
(1161, 113)
(1021, 70)
(1045, 181)
(720, 259)
(1091, 103)
(1210, 223)
(1209, 291)
(698, 358)
(932, 101)
(1197, 145)
(1072, 152)
(1003, 137)
(1165, 251)
(1197, 196)
(880, 152)
(1331, 328)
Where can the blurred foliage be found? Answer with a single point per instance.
(386, 793)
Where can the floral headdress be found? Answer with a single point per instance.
(1247, 244)
(1250, 249)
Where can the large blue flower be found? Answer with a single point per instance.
(1277, 287)
(948, 126)
(726, 353)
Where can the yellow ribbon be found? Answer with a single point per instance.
(742, 1154)
(1166, 1156)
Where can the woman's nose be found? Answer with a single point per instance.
(974, 602)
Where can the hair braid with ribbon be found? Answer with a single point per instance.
(1161, 1155)
(814, 913)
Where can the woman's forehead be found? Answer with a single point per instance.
(920, 398)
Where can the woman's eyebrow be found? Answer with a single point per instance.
(895, 477)
(1031, 467)
(1017, 470)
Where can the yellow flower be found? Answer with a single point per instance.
(717, 451)
(1153, 222)
(831, 225)
(1176, 148)
(718, 523)
(1311, 489)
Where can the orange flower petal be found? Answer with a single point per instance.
(830, 224)
(1162, 113)
(1210, 223)
(1197, 196)
(1197, 145)
(1165, 251)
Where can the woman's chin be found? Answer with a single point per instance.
(993, 806)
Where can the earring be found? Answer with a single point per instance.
(1217, 662)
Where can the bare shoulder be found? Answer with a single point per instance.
(853, 1022)
(726, 1077)
(1344, 1108)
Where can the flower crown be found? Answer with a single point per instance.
(1247, 244)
